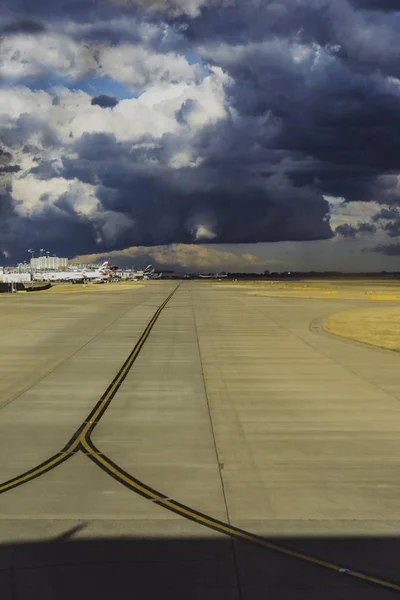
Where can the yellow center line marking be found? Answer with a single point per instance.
(41, 469)
(23, 478)
(225, 528)
(75, 444)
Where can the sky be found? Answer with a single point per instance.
(202, 134)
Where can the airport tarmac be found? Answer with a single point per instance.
(235, 416)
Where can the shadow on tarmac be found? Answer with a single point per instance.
(201, 568)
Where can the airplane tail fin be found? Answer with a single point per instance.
(103, 268)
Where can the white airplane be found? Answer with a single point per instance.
(99, 274)
(74, 276)
(153, 275)
(145, 274)
(213, 275)
(59, 276)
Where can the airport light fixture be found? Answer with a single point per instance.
(32, 253)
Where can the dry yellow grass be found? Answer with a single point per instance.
(320, 289)
(376, 326)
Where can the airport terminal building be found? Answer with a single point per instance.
(48, 263)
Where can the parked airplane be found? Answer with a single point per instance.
(145, 274)
(99, 274)
(59, 276)
(74, 276)
(153, 275)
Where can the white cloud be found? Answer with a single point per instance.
(352, 213)
(184, 159)
(27, 191)
(135, 65)
(203, 233)
(209, 97)
(77, 196)
(141, 68)
(74, 114)
(209, 103)
(166, 95)
(17, 100)
(25, 55)
(153, 114)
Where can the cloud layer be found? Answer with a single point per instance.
(145, 123)
(184, 256)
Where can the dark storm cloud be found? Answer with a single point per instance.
(346, 123)
(6, 165)
(349, 231)
(314, 114)
(53, 225)
(392, 228)
(345, 30)
(380, 5)
(388, 249)
(24, 26)
(8, 219)
(98, 21)
(167, 205)
(45, 169)
(329, 113)
(387, 213)
(7, 238)
(10, 169)
(128, 27)
(18, 130)
(366, 228)
(346, 230)
(104, 101)
(5, 157)
(56, 8)
(389, 220)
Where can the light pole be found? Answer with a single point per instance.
(32, 253)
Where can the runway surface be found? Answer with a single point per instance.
(194, 441)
